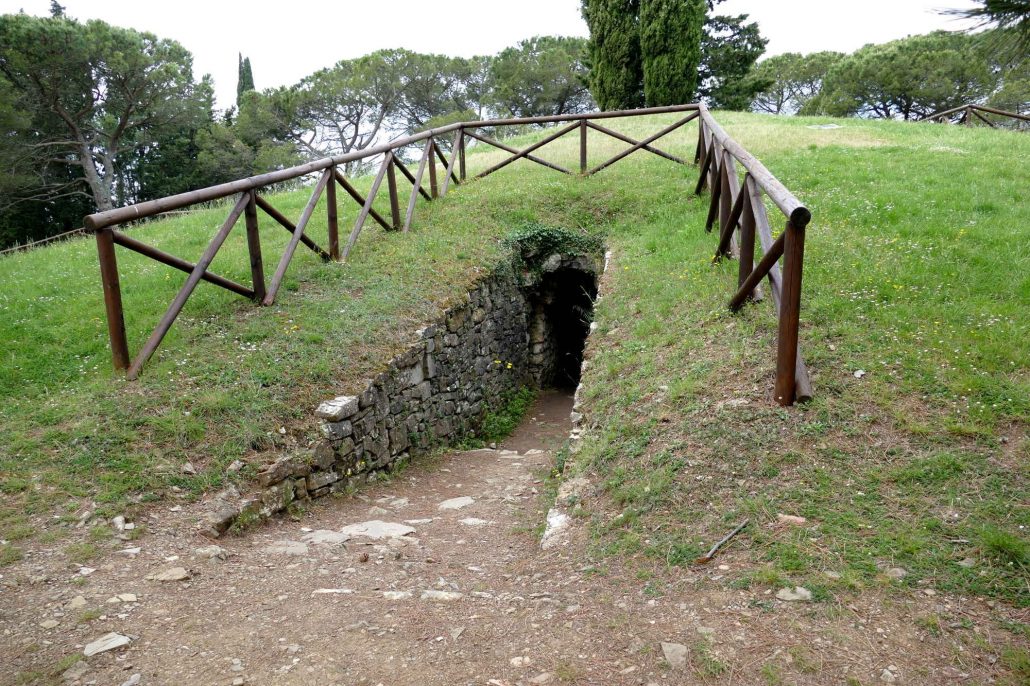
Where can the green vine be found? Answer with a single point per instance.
(532, 243)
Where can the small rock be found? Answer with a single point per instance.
(170, 574)
(211, 552)
(77, 603)
(675, 654)
(76, 671)
(441, 596)
(338, 409)
(189, 469)
(834, 576)
(896, 573)
(50, 624)
(967, 563)
(377, 529)
(325, 537)
(790, 520)
(235, 466)
(128, 597)
(456, 503)
(397, 595)
(332, 591)
(859, 373)
(291, 548)
(474, 521)
(132, 680)
(888, 677)
(106, 642)
(456, 633)
(544, 678)
(238, 681)
(520, 661)
(131, 552)
(799, 593)
(118, 523)
(86, 571)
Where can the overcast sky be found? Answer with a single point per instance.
(301, 36)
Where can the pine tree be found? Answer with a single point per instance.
(670, 47)
(245, 81)
(616, 76)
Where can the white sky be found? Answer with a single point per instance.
(299, 37)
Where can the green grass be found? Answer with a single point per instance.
(917, 271)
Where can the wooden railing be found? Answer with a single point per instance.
(970, 114)
(739, 208)
(713, 143)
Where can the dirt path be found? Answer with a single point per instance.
(467, 597)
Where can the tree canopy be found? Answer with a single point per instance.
(670, 46)
(793, 79)
(95, 96)
(544, 75)
(908, 78)
(616, 67)
(640, 44)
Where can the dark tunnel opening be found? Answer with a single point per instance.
(563, 305)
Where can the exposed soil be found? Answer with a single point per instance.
(521, 615)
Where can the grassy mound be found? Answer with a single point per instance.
(916, 273)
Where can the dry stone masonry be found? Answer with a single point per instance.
(432, 395)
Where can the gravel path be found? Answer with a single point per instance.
(437, 578)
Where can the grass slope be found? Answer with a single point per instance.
(916, 272)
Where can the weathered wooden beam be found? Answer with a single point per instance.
(298, 234)
(640, 144)
(790, 315)
(417, 181)
(360, 199)
(180, 264)
(187, 288)
(257, 269)
(284, 222)
(367, 208)
(522, 153)
(508, 148)
(112, 299)
(632, 141)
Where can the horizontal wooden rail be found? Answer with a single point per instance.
(939, 116)
(150, 208)
(736, 206)
(739, 209)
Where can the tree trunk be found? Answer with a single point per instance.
(101, 192)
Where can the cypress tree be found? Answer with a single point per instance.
(245, 80)
(616, 76)
(670, 47)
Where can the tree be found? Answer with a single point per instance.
(245, 79)
(670, 46)
(908, 78)
(544, 75)
(1012, 17)
(729, 50)
(96, 93)
(795, 79)
(616, 72)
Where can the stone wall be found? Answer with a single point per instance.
(433, 394)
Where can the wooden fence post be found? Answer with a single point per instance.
(461, 156)
(395, 206)
(434, 192)
(790, 314)
(582, 146)
(331, 216)
(257, 269)
(112, 299)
